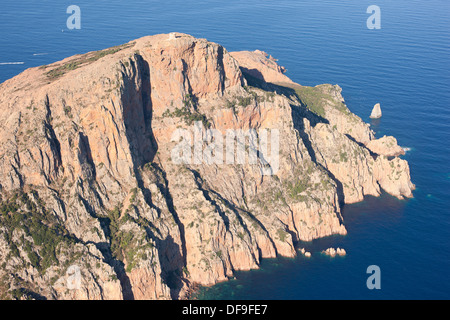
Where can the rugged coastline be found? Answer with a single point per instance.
(86, 165)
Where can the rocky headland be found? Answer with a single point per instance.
(87, 179)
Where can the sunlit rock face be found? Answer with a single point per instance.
(95, 207)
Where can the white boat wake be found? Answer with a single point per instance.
(7, 63)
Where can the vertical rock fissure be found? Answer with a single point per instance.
(105, 248)
(234, 209)
(300, 127)
(199, 183)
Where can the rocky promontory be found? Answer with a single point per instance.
(93, 205)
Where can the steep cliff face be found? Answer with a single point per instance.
(91, 193)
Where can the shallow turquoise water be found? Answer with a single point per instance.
(404, 66)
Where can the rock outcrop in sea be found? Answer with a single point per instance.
(303, 251)
(94, 207)
(332, 252)
(376, 112)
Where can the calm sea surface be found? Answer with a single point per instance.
(405, 66)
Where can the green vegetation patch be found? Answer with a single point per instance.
(313, 98)
(295, 189)
(282, 235)
(188, 113)
(127, 245)
(343, 156)
(19, 212)
(85, 59)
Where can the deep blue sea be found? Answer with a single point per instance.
(405, 66)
